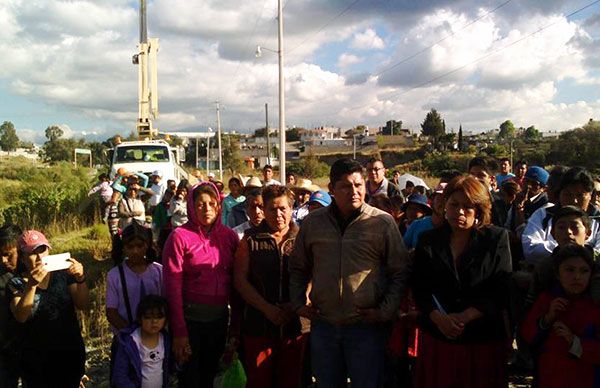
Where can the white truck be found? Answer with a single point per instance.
(147, 156)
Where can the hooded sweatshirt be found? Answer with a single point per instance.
(197, 265)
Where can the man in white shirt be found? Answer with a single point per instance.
(158, 188)
(268, 176)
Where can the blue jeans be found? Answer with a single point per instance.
(355, 350)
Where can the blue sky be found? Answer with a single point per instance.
(61, 67)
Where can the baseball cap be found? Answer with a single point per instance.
(211, 174)
(30, 240)
(157, 173)
(537, 174)
(321, 197)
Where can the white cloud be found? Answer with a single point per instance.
(367, 40)
(54, 56)
(346, 60)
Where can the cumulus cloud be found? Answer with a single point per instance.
(367, 40)
(346, 60)
(52, 54)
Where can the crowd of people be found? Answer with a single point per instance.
(374, 281)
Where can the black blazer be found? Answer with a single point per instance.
(480, 280)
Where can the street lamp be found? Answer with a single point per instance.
(279, 52)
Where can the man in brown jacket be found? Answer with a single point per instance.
(358, 265)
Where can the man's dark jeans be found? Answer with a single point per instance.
(355, 350)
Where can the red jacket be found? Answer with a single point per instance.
(556, 366)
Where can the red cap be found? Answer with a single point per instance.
(32, 239)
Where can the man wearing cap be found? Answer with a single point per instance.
(353, 255)
(532, 197)
(377, 183)
(158, 189)
(268, 176)
(317, 200)
(238, 215)
(414, 208)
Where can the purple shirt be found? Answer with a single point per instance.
(149, 282)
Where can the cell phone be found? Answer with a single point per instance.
(57, 262)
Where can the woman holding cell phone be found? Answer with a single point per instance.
(53, 353)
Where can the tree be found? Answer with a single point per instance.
(507, 130)
(293, 134)
(309, 166)
(231, 154)
(532, 134)
(433, 126)
(578, 147)
(392, 127)
(28, 145)
(460, 138)
(447, 140)
(56, 149)
(54, 132)
(9, 141)
(260, 132)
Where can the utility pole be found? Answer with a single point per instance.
(208, 152)
(267, 132)
(354, 146)
(281, 95)
(196, 160)
(219, 141)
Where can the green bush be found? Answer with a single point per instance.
(309, 167)
(436, 162)
(47, 197)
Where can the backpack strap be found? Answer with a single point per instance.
(125, 294)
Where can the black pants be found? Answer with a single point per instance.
(207, 340)
(9, 370)
(53, 368)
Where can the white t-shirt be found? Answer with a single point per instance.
(159, 190)
(272, 182)
(152, 361)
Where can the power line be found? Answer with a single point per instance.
(437, 42)
(406, 59)
(325, 25)
(250, 37)
(422, 84)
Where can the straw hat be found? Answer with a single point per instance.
(253, 183)
(305, 185)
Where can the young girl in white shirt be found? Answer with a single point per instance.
(143, 352)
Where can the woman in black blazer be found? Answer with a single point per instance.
(460, 285)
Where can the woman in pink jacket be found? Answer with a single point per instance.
(198, 268)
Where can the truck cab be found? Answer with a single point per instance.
(146, 156)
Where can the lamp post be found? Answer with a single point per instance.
(281, 89)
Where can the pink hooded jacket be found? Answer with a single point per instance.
(197, 266)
